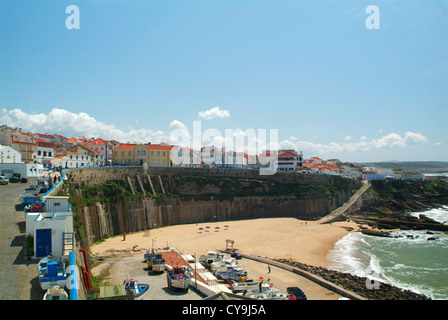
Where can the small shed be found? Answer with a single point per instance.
(52, 231)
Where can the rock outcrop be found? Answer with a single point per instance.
(391, 202)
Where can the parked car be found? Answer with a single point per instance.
(4, 180)
(15, 178)
(296, 293)
(235, 254)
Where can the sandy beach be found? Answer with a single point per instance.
(304, 241)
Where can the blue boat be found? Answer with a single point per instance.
(138, 289)
(232, 275)
(51, 272)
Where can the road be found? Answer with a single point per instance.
(18, 275)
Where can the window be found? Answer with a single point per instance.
(152, 161)
(164, 161)
(129, 153)
(158, 153)
(158, 161)
(152, 153)
(163, 153)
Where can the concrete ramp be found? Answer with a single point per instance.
(355, 200)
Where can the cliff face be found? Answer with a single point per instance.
(131, 215)
(145, 202)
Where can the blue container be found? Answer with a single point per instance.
(52, 269)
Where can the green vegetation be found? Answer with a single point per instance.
(196, 188)
(29, 246)
(390, 188)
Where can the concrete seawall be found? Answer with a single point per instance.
(96, 176)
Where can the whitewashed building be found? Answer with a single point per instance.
(26, 170)
(73, 160)
(9, 155)
(52, 230)
(289, 160)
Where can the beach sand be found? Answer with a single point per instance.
(304, 241)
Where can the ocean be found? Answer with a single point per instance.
(409, 261)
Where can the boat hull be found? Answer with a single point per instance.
(139, 290)
(178, 278)
(51, 273)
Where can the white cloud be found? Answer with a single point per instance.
(437, 143)
(71, 124)
(389, 141)
(176, 124)
(214, 113)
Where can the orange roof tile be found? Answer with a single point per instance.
(125, 146)
(287, 155)
(97, 141)
(158, 147)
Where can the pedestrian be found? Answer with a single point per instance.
(269, 269)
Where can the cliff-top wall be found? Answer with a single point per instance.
(96, 176)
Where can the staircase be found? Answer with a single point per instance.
(335, 214)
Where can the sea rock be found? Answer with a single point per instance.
(375, 232)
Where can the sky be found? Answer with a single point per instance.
(135, 71)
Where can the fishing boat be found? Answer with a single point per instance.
(268, 294)
(232, 274)
(33, 189)
(29, 198)
(139, 290)
(154, 261)
(158, 263)
(179, 278)
(149, 256)
(56, 293)
(51, 272)
(224, 265)
(250, 285)
(211, 257)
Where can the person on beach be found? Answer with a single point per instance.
(269, 269)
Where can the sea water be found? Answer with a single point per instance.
(407, 260)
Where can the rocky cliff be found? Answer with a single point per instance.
(143, 202)
(391, 200)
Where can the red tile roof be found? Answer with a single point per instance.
(125, 146)
(97, 141)
(158, 147)
(287, 155)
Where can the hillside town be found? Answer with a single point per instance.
(29, 154)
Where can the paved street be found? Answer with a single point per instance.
(18, 275)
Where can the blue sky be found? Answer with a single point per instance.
(310, 69)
